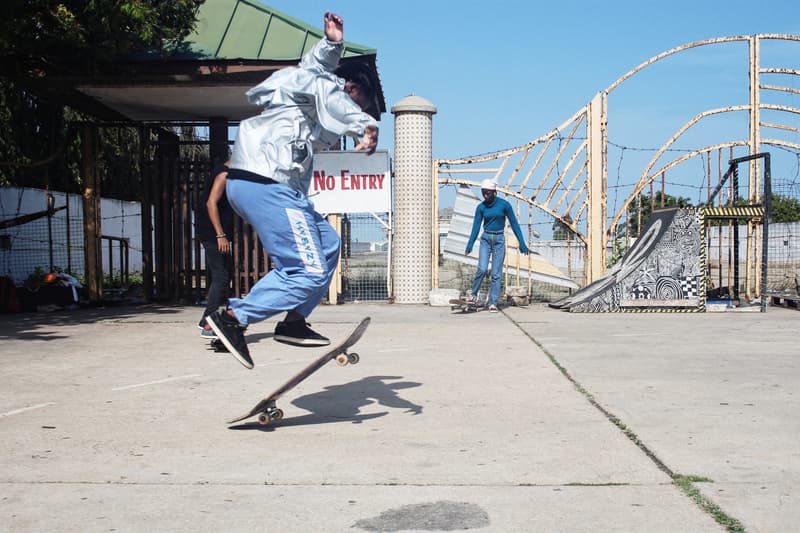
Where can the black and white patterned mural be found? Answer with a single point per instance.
(661, 271)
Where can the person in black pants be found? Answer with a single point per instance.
(214, 229)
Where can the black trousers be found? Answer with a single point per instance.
(219, 268)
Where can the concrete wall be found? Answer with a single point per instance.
(30, 243)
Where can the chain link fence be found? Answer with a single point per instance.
(365, 257)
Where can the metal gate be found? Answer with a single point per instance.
(365, 256)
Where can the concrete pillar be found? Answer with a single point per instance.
(413, 168)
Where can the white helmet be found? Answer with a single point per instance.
(489, 185)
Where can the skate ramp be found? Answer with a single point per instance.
(660, 272)
(532, 266)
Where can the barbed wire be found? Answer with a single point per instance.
(641, 149)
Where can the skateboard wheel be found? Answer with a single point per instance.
(263, 419)
(353, 358)
(276, 414)
(342, 359)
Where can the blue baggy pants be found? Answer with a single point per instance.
(493, 243)
(303, 246)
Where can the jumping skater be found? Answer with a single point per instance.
(307, 107)
(493, 212)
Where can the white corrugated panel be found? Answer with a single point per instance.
(532, 266)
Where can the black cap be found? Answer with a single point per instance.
(362, 74)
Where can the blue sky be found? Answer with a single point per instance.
(504, 72)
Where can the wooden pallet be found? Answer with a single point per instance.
(785, 300)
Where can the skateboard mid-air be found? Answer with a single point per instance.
(266, 408)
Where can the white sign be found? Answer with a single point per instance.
(351, 182)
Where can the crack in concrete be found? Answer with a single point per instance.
(686, 487)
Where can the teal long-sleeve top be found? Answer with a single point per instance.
(494, 217)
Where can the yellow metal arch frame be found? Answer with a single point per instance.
(576, 193)
(515, 183)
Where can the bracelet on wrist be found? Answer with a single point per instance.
(221, 235)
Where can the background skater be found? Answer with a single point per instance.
(214, 229)
(493, 212)
(305, 108)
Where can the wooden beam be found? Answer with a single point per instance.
(93, 265)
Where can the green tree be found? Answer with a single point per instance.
(633, 210)
(41, 39)
(785, 209)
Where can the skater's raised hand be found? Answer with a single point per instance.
(334, 27)
(369, 141)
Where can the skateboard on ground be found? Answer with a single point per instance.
(266, 408)
(469, 307)
(466, 306)
(217, 346)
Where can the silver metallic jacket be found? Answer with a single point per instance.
(305, 108)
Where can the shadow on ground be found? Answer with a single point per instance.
(343, 403)
(33, 326)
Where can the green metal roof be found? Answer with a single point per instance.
(236, 44)
(250, 30)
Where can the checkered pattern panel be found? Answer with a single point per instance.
(689, 286)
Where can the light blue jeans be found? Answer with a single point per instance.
(492, 244)
(302, 244)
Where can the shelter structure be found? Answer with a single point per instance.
(235, 45)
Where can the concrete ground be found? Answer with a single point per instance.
(527, 420)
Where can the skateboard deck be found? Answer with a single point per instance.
(464, 305)
(266, 408)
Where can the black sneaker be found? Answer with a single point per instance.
(298, 333)
(202, 324)
(231, 334)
